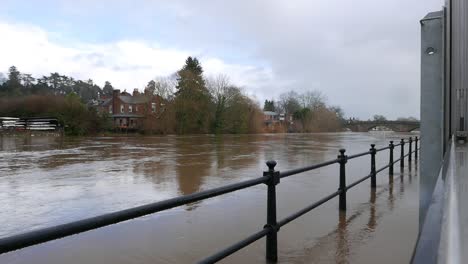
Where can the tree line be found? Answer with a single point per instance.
(192, 103)
(195, 103)
(19, 84)
(308, 111)
(56, 95)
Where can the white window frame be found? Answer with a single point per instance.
(153, 107)
(130, 109)
(110, 109)
(122, 107)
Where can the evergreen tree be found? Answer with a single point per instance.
(107, 90)
(150, 87)
(269, 106)
(13, 84)
(191, 77)
(192, 100)
(27, 80)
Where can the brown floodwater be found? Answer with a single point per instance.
(45, 181)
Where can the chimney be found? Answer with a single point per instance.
(115, 95)
(135, 92)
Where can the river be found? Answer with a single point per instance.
(46, 180)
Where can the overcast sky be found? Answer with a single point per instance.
(362, 54)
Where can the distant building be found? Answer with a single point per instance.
(129, 110)
(275, 122)
(270, 117)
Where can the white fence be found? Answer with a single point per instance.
(25, 124)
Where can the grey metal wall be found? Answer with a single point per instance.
(458, 61)
(432, 106)
(444, 88)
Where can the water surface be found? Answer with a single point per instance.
(46, 181)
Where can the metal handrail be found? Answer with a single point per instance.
(59, 231)
(271, 178)
(308, 168)
(359, 155)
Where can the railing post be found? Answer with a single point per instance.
(342, 159)
(410, 150)
(416, 148)
(402, 153)
(390, 163)
(373, 151)
(271, 238)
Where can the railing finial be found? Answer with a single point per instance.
(271, 165)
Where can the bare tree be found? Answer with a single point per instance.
(164, 86)
(379, 118)
(219, 88)
(313, 100)
(223, 94)
(288, 103)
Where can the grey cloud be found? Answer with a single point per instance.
(363, 54)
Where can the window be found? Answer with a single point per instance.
(110, 109)
(121, 108)
(130, 109)
(153, 107)
(136, 108)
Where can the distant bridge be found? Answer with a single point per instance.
(397, 126)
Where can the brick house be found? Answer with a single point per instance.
(128, 111)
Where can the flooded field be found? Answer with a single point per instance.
(46, 181)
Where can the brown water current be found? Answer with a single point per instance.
(45, 181)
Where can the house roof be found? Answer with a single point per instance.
(270, 113)
(133, 99)
(128, 99)
(107, 102)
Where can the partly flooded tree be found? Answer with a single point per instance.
(222, 93)
(192, 99)
(310, 112)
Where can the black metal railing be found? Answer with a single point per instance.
(271, 178)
